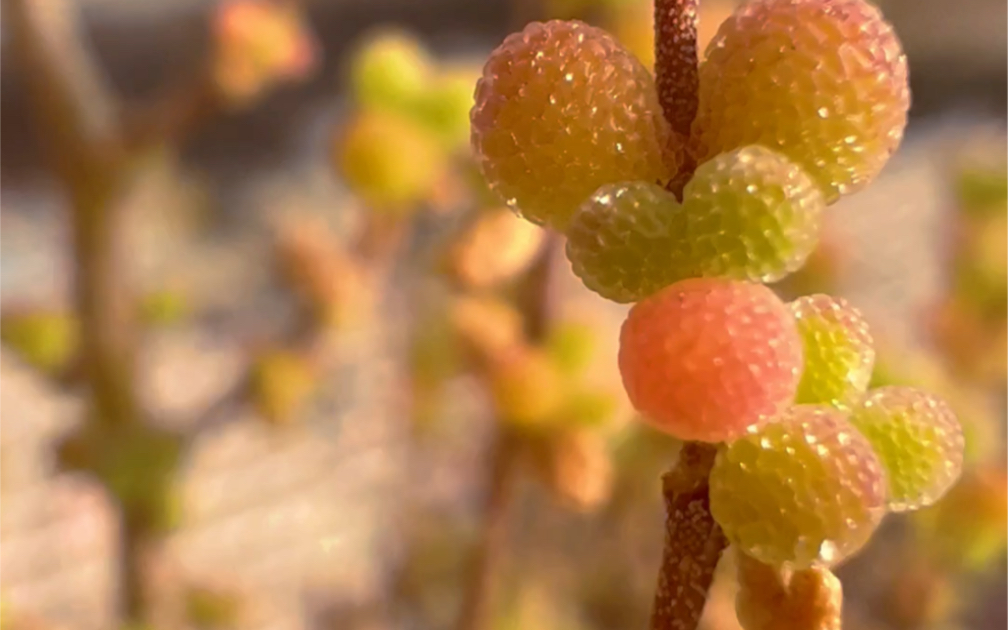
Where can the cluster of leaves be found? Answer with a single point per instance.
(259, 44)
(409, 120)
(799, 102)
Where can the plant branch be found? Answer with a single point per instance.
(70, 96)
(477, 603)
(305, 335)
(76, 115)
(693, 542)
(536, 293)
(176, 115)
(377, 248)
(677, 62)
(79, 126)
(677, 76)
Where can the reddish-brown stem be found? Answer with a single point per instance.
(693, 542)
(536, 296)
(677, 75)
(676, 62)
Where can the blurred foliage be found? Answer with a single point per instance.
(527, 387)
(968, 529)
(410, 118)
(45, 339)
(259, 44)
(392, 164)
(283, 381)
(920, 595)
(331, 284)
(137, 464)
(970, 324)
(534, 607)
(431, 572)
(982, 191)
(390, 71)
(572, 345)
(167, 307)
(494, 248)
(576, 467)
(212, 608)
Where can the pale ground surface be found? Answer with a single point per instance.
(317, 509)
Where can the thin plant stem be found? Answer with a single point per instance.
(676, 62)
(677, 77)
(535, 302)
(477, 604)
(536, 297)
(693, 542)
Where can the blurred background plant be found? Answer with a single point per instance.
(286, 265)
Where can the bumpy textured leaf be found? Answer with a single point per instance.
(749, 214)
(708, 359)
(562, 109)
(822, 81)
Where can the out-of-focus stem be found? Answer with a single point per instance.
(477, 604)
(78, 122)
(105, 308)
(176, 115)
(536, 298)
(70, 96)
(693, 542)
(76, 119)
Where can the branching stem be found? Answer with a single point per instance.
(81, 125)
(693, 542)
